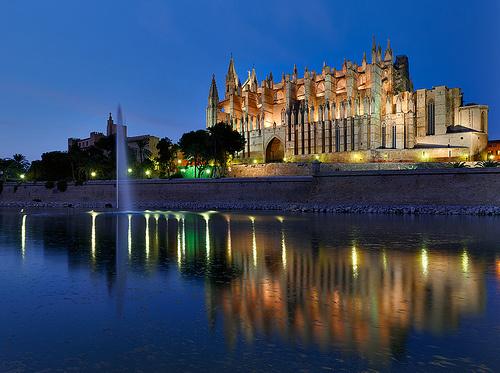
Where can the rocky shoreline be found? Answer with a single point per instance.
(290, 207)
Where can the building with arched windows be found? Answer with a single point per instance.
(370, 110)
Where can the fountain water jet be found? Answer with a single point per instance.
(123, 192)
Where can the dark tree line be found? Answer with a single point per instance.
(213, 147)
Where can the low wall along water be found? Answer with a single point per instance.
(404, 191)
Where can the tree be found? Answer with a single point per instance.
(141, 146)
(53, 166)
(195, 146)
(167, 152)
(225, 142)
(20, 162)
(79, 160)
(12, 168)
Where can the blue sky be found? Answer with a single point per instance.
(65, 64)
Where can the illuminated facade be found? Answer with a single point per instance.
(145, 144)
(370, 109)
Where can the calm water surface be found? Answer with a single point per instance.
(214, 291)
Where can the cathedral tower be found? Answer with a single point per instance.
(213, 99)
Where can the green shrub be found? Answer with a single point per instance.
(62, 185)
(50, 185)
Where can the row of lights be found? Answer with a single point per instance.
(93, 174)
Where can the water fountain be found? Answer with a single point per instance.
(123, 190)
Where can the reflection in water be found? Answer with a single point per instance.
(229, 248)
(146, 234)
(465, 261)
(425, 262)
(329, 283)
(129, 235)
(23, 235)
(354, 255)
(254, 242)
(283, 243)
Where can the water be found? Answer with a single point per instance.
(170, 291)
(123, 193)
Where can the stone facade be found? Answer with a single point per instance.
(370, 108)
(143, 143)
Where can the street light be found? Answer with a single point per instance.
(22, 176)
(148, 173)
(93, 174)
(129, 170)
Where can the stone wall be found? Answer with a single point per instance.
(450, 187)
(304, 168)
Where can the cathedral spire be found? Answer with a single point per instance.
(232, 81)
(374, 50)
(213, 94)
(363, 61)
(213, 100)
(388, 51)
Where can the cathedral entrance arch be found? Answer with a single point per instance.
(275, 151)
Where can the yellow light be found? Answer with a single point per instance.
(465, 261)
(129, 170)
(354, 256)
(179, 161)
(148, 172)
(93, 174)
(425, 262)
(22, 176)
(492, 157)
(317, 157)
(254, 242)
(254, 161)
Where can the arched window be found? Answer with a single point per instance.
(431, 124)
(394, 136)
(383, 136)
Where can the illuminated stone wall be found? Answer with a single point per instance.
(448, 187)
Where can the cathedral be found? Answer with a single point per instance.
(367, 112)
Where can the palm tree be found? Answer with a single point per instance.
(141, 145)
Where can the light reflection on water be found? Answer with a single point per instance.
(292, 291)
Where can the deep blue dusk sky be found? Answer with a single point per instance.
(65, 64)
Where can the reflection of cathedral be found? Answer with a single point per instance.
(306, 281)
(364, 112)
(346, 296)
